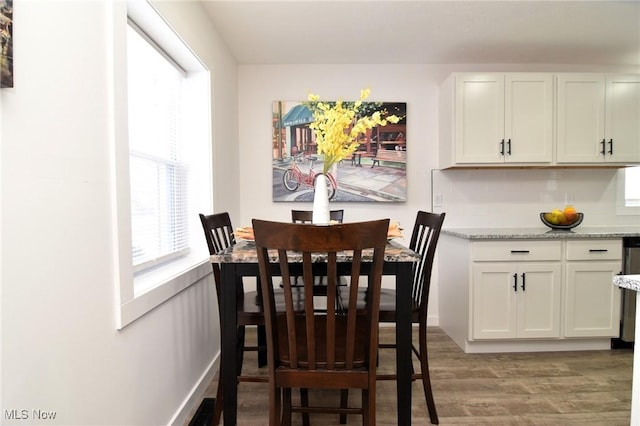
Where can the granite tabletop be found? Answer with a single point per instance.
(244, 251)
(631, 282)
(542, 233)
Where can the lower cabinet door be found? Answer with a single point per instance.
(539, 296)
(494, 301)
(592, 307)
(516, 300)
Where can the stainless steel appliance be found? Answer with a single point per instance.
(630, 266)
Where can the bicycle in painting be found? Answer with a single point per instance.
(294, 177)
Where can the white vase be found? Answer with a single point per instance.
(320, 201)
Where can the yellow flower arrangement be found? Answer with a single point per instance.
(337, 127)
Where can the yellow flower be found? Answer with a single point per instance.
(338, 127)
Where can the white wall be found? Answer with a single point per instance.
(61, 351)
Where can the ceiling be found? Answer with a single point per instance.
(429, 32)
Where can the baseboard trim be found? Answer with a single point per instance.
(193, 399)
(497, 346)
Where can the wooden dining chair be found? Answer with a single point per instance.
(219, 235)
(320, 345)
(424, 239)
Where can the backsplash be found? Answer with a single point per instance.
(515, 197)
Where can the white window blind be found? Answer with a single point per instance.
(158, 173)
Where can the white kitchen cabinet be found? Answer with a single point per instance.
(592, 304)
(497, 118)
(568, 303)
(516, 297)
(598, 119)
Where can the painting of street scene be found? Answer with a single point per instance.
(6, 43)
(376, 172)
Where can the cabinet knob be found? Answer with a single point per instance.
(515, 282)
(502, 147)
(610, 146)
(603, 143)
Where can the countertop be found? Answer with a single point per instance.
(631, 282)
(542, 233)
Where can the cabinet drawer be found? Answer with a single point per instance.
(594, 249)
(517, 250)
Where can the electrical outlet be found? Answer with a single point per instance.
(437, 200)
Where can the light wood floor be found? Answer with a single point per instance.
(557, 388)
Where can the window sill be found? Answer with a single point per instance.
(161, 284)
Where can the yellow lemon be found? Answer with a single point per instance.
(561, 218)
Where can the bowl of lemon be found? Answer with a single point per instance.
(564, 219)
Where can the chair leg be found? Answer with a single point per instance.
(426, 381)
(369, 406)
(217, 407)
(262, 343)
(286, 409)
(304, 401)
(344, 403)
(239, 349)
(275, 405)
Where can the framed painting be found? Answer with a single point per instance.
(376, 172)
(6, 43)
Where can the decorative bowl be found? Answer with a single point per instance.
(566, 226)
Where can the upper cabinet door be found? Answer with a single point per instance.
(598, 119)
(503, 118)
(580, 118)
(622, 119)
(528, 129)
(479, 118)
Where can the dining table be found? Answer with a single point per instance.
(241, 260)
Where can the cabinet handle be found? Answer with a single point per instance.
(519, 251)
(598, 250)
(603, 143)
(611, 146)
(502, 147)
(509, 147)
(515, 282)
(523, 281)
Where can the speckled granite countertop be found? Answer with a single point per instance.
(542, 233)
(631, 282)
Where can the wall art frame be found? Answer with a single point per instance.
(376, 172)
(6, 43)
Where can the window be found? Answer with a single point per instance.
(628, 191)
(632, 187)
(158, 171)
(163, 162)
